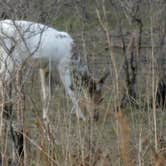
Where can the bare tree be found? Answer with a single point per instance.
(131, 51)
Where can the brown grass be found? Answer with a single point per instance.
(124, 133)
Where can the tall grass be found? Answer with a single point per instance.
(134, 135)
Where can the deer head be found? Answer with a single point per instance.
(95, 88)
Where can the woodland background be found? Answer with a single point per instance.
(126, 37)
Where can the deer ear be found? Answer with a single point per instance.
(102, 79)
(100, 83)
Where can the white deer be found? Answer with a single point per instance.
(47, 49)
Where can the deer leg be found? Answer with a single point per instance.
(66, 80)
(8, 116)
(7, 112)
(46, 99)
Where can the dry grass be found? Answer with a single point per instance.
(124, 137)
(121, 138)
